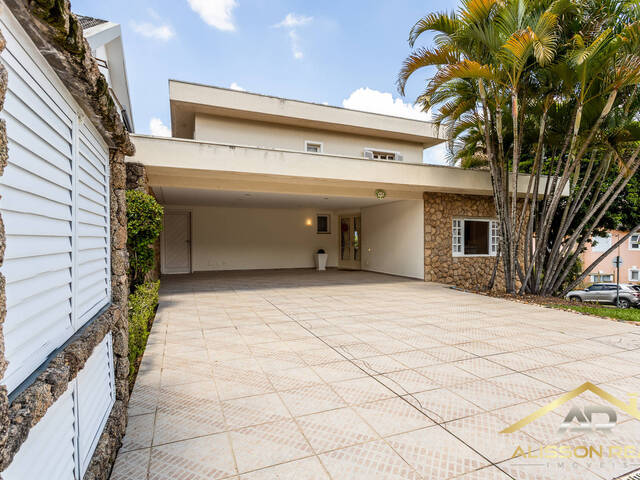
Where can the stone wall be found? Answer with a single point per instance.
(57, 34)
(472, 273)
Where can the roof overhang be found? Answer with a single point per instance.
(173, 162)
(189, 99)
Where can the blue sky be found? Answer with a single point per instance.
(330, 51)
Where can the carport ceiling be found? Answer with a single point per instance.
(227, 198)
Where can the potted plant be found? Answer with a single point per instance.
(321, 259)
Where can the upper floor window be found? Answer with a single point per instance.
(313, 147)
(374, 154)
(634, 241)
(634, 274)
(601, 244)
(474, 237)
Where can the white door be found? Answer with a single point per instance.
(177, 242)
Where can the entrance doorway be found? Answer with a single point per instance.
(350, 242)
(176, 245)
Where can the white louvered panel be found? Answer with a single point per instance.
(96, 396)
(92, 219)
(49, 451)
(36, 207)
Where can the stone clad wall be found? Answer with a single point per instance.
(57, 34)
(472, 273)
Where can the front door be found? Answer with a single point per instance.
(176, 248)
(350, 242)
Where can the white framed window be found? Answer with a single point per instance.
(323, 223)
(601, 244)
(376, 154)
(474, 237)
(634, 274)
(602, 278)
(312, 147)
(634, 241)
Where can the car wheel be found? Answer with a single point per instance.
(575, 298)
(624, 303)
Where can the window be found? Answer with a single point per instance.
(634, 242)
(323, 223)
(472, 237)
(313, 147)
(374, 154)
(602, 277)
(634, 274)
(601, 244)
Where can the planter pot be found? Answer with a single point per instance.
(321, 261)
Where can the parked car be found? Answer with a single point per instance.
(607, 293)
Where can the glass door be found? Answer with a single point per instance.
(350, 242)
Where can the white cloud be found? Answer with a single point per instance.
(436, 155)
(235, 86)
(158, 128)
(375, 101)
(291, 22)
(162, 32)
(217, 13)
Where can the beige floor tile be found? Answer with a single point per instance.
(487, 473)
(406, 382)
(487, 395)
(361, 390)
(303, 401)
(434, 453)
(268, 444)
(294, 378)
(415, 358)
(139, 432)
(246, 411)
(131, 465)
(175, 424)
(392, 416)
(533, 469)
(482, 367)
(442, 405)
(306, 469)
(335, 429)
(337, 371)
(203, 458)
(370, 461)
(482, 433)
(447, 375)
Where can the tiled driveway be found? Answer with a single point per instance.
(353, 375)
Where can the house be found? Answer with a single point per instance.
(63, 291)
(251, 181)
(605, 271)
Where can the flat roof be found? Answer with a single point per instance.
(187, 99)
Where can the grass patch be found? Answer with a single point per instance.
(628, 314)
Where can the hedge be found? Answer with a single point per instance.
(142, 308)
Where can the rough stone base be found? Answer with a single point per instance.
(440, 265)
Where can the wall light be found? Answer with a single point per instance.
(308, 222)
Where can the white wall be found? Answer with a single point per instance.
(273, 135)
(228, 238)
(393, 238)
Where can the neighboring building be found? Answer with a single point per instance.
(63, 348)
(257, 182)
(605, 271)
(105, 40)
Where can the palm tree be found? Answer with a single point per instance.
(545, 87)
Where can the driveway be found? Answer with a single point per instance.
(355, 375)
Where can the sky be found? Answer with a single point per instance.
(343, 53)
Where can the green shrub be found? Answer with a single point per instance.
(142, 307)
(144, 224)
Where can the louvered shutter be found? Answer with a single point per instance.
(36, 205)
(95, 396)
(49, 451)
(93, 225)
